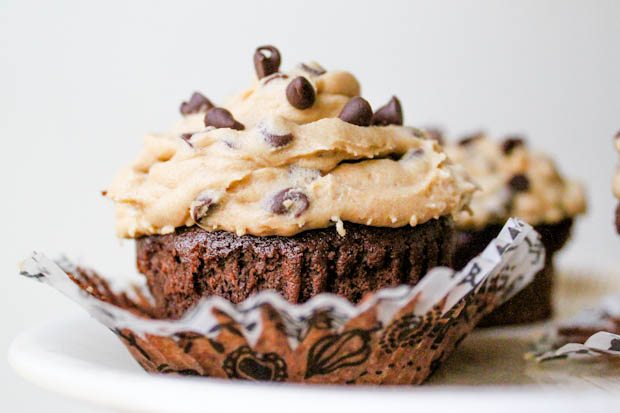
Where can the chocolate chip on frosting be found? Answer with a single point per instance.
(519, 183)
(389, 114)
(277, 141)
(197, 103)
(313, 69)
(186, 137)
(357, 111)
(300, 93)
(200, 206)
(222, 118)
(287, 200)
(510, 143)
(467, 139)
(266, 65)
(435, 134)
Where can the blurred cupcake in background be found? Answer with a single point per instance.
(515, 181)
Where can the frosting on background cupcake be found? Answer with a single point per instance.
(296, 151)
(514, 181)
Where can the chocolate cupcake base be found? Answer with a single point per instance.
(533, 303)
(192, 263)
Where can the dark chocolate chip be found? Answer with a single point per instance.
(357, 111)
(435, 134)
(519, 183)
(315, 71)
(266, 65)
(416, 153)
(186, 137)
(222, 118)
(617, 135)
(510, 143)
(467, 139)
(277, 141)
(197, 103)
(274, 77)
(288, 200)
(389, 114)
(200, 207)
(618, 218)
(300, 93)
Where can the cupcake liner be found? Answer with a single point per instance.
(394, 336)
(591, 333)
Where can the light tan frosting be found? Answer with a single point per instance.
(388, 176)
(549, 199)
(616, 179)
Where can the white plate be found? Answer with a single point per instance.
(81, 359)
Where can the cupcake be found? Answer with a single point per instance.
(294, 185)
(515, 181)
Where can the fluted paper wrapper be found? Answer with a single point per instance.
(395, 336)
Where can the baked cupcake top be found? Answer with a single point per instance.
(514, 182)
(296, 151)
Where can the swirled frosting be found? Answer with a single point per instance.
(288, 170)
(514, 181)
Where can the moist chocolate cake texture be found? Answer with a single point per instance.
(193, 263)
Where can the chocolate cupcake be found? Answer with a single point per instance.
(515, 182)
(293, 185)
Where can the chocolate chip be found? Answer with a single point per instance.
(277, 141)
(104, 192)
(222, 118)
(510, 143)
(519, 183)
(415, 153)
(300, 93)
(186, 137)
(467, 139)
(200, 206)
(389, 114)
(197, 103)
(618, 219)
(435, 134)
(617, 135)
(266, 65)
(314, 70)
(274, 77)
(357, 111)
(287, 200)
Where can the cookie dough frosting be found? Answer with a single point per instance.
(296, 151)
(514, 181)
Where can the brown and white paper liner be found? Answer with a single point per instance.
(395, 336)
(593, 332)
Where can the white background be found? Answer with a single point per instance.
(81, 82)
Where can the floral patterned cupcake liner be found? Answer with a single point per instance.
(395, 336)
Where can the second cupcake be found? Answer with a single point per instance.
(515, 182)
